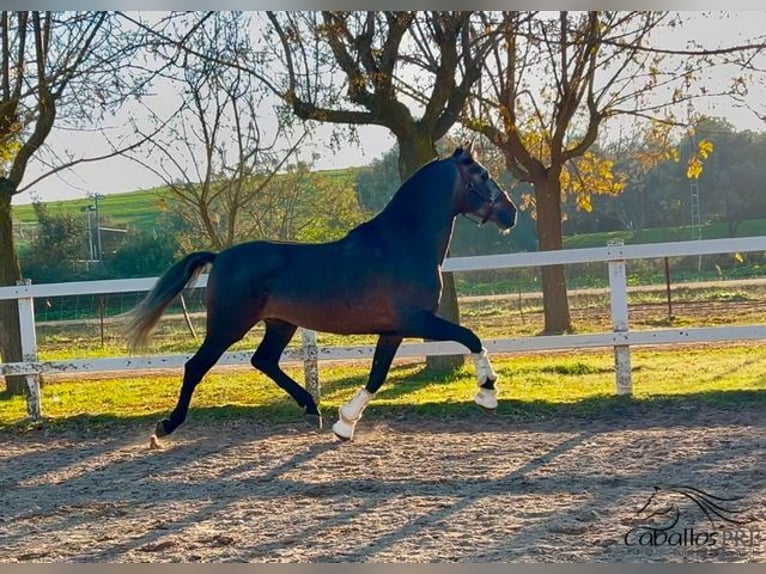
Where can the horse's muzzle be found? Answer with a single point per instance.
(505, 219)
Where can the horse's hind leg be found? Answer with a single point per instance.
(195, 368)
(266, 360)
(225, 326)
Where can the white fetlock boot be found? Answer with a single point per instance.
(350, 413)
(485, 398)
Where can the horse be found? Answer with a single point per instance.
(382, 278)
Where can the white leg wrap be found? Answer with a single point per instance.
(486, 398)
(350, 413)
(484, 370)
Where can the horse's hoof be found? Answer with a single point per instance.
(343, 430)
(314, 421)
(486, 399)
(161, 430)
(487, 411)
(342, 438)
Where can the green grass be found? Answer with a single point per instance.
(749, 228)
(489, 318)
(536, 386)
(136, 210)
(533, 387)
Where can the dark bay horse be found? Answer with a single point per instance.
(383, 278)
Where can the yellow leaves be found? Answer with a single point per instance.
(695, 163)
(529, 203)
(693, 168)
(657, 145)
(672, 154)
(10, 144)
(8, 150)
(738, 257)
(536, 143)
(584, 203)
(705, 148)
(591, 175)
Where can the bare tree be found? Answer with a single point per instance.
(63, 68)
(409, 72)
(214, 157)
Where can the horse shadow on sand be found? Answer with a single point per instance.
(116, 486)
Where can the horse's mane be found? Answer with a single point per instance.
(418, 185)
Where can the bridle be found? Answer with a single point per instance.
(470, 186)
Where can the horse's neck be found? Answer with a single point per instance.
(422, 211)
(442, 243)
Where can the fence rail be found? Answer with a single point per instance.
(620, 338)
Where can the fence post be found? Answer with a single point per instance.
(618, 292)
(29, 351)
(311, 363)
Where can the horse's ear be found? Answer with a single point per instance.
(465, 151)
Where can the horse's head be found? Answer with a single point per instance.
(478, 194)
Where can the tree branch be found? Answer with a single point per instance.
(115, 152)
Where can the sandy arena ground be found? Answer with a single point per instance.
(472, 489)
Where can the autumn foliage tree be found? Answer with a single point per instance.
(550, 84)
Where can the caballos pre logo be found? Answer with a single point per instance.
(688, 517)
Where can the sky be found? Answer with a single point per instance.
(121, 174)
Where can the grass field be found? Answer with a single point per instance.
(136, 210)
(749, 228)
(491, 317)
(533, 387)
(537, 385)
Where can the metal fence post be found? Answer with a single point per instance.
(618, 292)
(311, 363)
(29, 351)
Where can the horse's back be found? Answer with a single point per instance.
(304, 271)
(345, 286)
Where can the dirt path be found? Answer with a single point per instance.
(473, 489)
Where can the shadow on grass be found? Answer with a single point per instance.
(710, 408)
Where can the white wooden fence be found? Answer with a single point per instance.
(620, 338)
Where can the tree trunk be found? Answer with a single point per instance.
(555, 302)
(10, 273)
(414, 152)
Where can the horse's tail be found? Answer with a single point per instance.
(148, 312)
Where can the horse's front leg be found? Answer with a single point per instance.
(429, 326)
(350, 413)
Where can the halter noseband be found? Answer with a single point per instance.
(471, 187)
